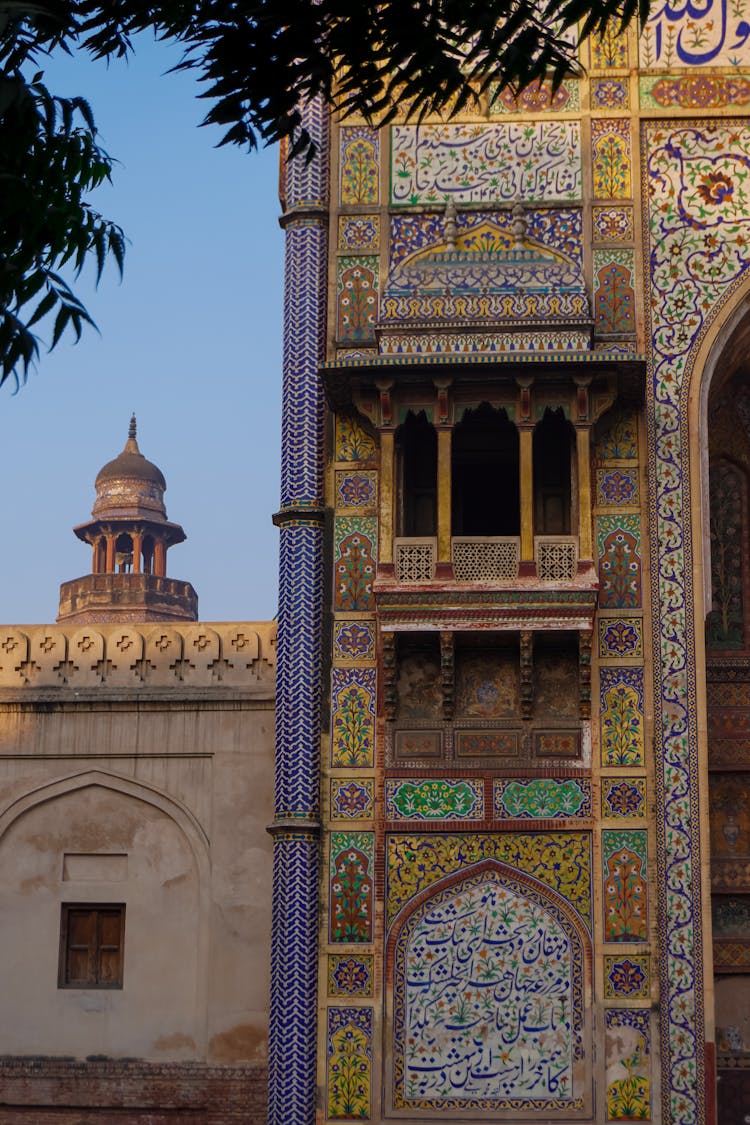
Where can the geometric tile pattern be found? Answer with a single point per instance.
(359, 232)
(294, 940)
(356, 490)
(692, 91)
(294, 976)
(698, 197)
(354, 640)
(537, 97)
(617, 487)
(613, 224)
(610, 93)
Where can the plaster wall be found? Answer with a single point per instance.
(157, 797)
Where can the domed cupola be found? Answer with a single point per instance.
(129, 534)
(130, 485)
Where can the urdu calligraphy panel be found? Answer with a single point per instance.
(491, 163)
(488, 1003)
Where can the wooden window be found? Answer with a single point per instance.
(91, 945)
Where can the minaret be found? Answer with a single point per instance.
(129, 535)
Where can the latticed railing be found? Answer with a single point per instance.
(485, 558)
(414, 559)
(556, 557)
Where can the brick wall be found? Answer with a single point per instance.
(37, 1091)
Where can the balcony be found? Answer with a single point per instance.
(486, 558)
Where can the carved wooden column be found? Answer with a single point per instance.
(526, 437)
(444, 479)
(447, 674)
(583, 449)
(527, 673)
(526, 473)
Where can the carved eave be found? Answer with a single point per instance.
(129, 522)
(514, 607)
(347, 381)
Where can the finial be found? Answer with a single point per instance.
(131, 428)
(450, 226)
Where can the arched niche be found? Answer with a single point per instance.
(97, 838)
(488, 1010)
(717, 450)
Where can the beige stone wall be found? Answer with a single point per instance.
(136, 767)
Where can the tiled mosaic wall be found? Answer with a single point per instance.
(392, 188)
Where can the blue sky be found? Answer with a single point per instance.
(190, 341)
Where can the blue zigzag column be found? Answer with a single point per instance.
(296, 828)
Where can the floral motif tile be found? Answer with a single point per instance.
(359, 232)
(360, 172)
(349, 1063)
(351, 893)
(354, 640)
(617, 487)
(625, 896)
(353, 717)
(621, 716)
(351, 976)
(352, 798)
(620, 637)
(433, 799)
(542, 798)
(612, 158)
(356, 490)
(624, 796)
(626, 977)
(560, 860)
(628, 1064)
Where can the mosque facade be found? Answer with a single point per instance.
(512, 808)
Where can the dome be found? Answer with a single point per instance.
(130, 485)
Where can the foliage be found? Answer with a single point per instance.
(256, 61)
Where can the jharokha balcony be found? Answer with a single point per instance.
(485, 581)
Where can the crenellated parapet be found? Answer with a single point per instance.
(235, 657)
